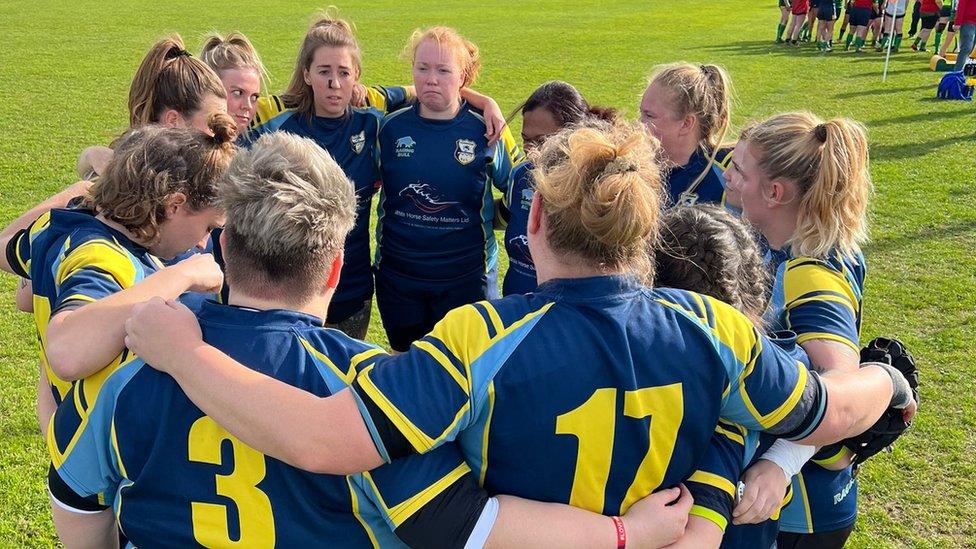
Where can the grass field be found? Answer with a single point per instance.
(65, 68)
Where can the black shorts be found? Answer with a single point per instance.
(946, 11)
(826, 12)
(860, 17)
(783, 4)
(821, 540)
(409, 307)
(929, 20)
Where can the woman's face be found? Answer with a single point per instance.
(537, 125)
(183, 229)
(333, 76)
(745, 178)
(437, 77)
(211, 104)
(658, 116)
(243, 89)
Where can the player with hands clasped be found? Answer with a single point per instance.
(90, 264)
(140, 451)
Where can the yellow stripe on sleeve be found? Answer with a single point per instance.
(103, 255)
(403, 511)
(713, 480)
(810, 336)
(841, 454)
(710, 515)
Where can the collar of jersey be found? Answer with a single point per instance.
(589, 288)
(332, 123)
(441, 124)
(78, 218)
(212, 312)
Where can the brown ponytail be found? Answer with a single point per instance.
(170, 78)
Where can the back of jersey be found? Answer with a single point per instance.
(173, 474)
(601, 417)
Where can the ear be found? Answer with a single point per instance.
(171, 117)
(174, 202)
(689, 124)
(534, 224)
(778, 192)
(306, 77)
(223, 240)
(335, 269)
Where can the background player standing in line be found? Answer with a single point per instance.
(436, 248)
(288, 206)
(552, 107)
(804, 184)
(929, 15)
(860, 14)
(240, 70)
(784, 17)
(688, 108)
(799, 11)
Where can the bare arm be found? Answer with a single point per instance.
(93, 160)
(24, 296)
(59, 200)
(82, 341)
(700, 533)
(45, 401)
(655, 521)
(85, 530)
(827, 355)
(494, 118)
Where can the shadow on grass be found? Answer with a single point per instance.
(762, 47)
(874, 92)
(922, 116)
(923, 234)
(914, 150)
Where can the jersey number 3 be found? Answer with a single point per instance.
(210, 521)
(593, 425)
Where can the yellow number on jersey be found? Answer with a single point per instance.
(593, 424)
(210, 523)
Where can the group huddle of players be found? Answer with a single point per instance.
(814, 21)
(642, 375)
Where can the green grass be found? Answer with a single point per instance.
(66, 67)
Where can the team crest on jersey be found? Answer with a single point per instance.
(687, 198)
(464, 153)
(527, 198)
(520, 243)
(358, 141)
(405, 146)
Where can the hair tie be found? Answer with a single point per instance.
(619, 165)
(177, 51)
(820, 131)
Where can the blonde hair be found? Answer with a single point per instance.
(170, 78)
(289, 207)
(464, 51)
(704, 91)
(328, 31)
(601, 193)
(828, 162)
(153, 162)
(233, 52)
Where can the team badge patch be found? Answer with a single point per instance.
(358, 141)
(464, 153)
(404, 147)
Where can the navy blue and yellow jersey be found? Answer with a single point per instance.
(711, 189)
(436, 204)
(713, 484)
(582, 392)
(382, 98)
(170, 472)
(521, 277)
(820, 298)
(351, 141)
(71, 259)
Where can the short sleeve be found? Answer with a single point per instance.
(504, 156)
(18, 250)
(819, 303)
(713, 484)
(91, 271)
(387, 99)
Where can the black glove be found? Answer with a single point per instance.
(891, 425)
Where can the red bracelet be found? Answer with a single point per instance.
(621, 533)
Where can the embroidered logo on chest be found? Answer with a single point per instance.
(405, 146)
(464, 152)
(358, 141)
